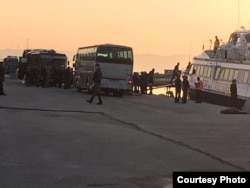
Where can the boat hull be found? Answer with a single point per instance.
(216, 98)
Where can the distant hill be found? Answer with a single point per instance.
(142, 62)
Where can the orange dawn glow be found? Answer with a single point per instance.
(157, 29)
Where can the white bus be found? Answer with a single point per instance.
(116, 62)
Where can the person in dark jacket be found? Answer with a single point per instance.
(176, 72)
(97, 77)
(185, 88)
(151, 81)
(136, 80)
(177, 89)
(2, 72)
(233, 90)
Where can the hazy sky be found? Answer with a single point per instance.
(161, 27)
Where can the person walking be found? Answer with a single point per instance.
(198, 88)
(185, 88)
(97, 77)
(233, 90)
(2, 72)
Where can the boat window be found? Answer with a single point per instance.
(248, 78)
(231, 74)
(201, 70)
(198, 70)
(245, 77)
(192, 69)
(218, 70)
(236, 72)
(233, 38)
(205, 71)
(209, 71)
(226, 74)
(222, 72)
(248, 40)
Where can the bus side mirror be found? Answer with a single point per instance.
(74, 65)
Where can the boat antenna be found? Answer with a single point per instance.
(238, 26)
(189, 53)
(27, 43)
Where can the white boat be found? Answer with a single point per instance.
(217, 69)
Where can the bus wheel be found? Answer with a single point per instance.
(89, 90)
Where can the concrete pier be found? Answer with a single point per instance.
(50, 137)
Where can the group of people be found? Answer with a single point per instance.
(47, 76)
(184, 86)
(142, 81)
(181, 85)
(139, 82)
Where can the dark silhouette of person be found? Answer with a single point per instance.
(233, 90)
(175, 72)
(97, 78)
(143, 82)
(216, 44)
(177, 89)
(188, 67)
(2, 72)
(67, 78)
(151, 81)
(185, 88)
(28, 77)
(136, 80)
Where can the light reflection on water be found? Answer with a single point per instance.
(162, 91)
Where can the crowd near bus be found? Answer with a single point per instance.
(41, 67)
(49, 77)
(143, 81)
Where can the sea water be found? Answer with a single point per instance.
(163, 91)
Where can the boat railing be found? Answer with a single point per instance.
(232, 55)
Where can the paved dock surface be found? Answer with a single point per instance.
(50, 137)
